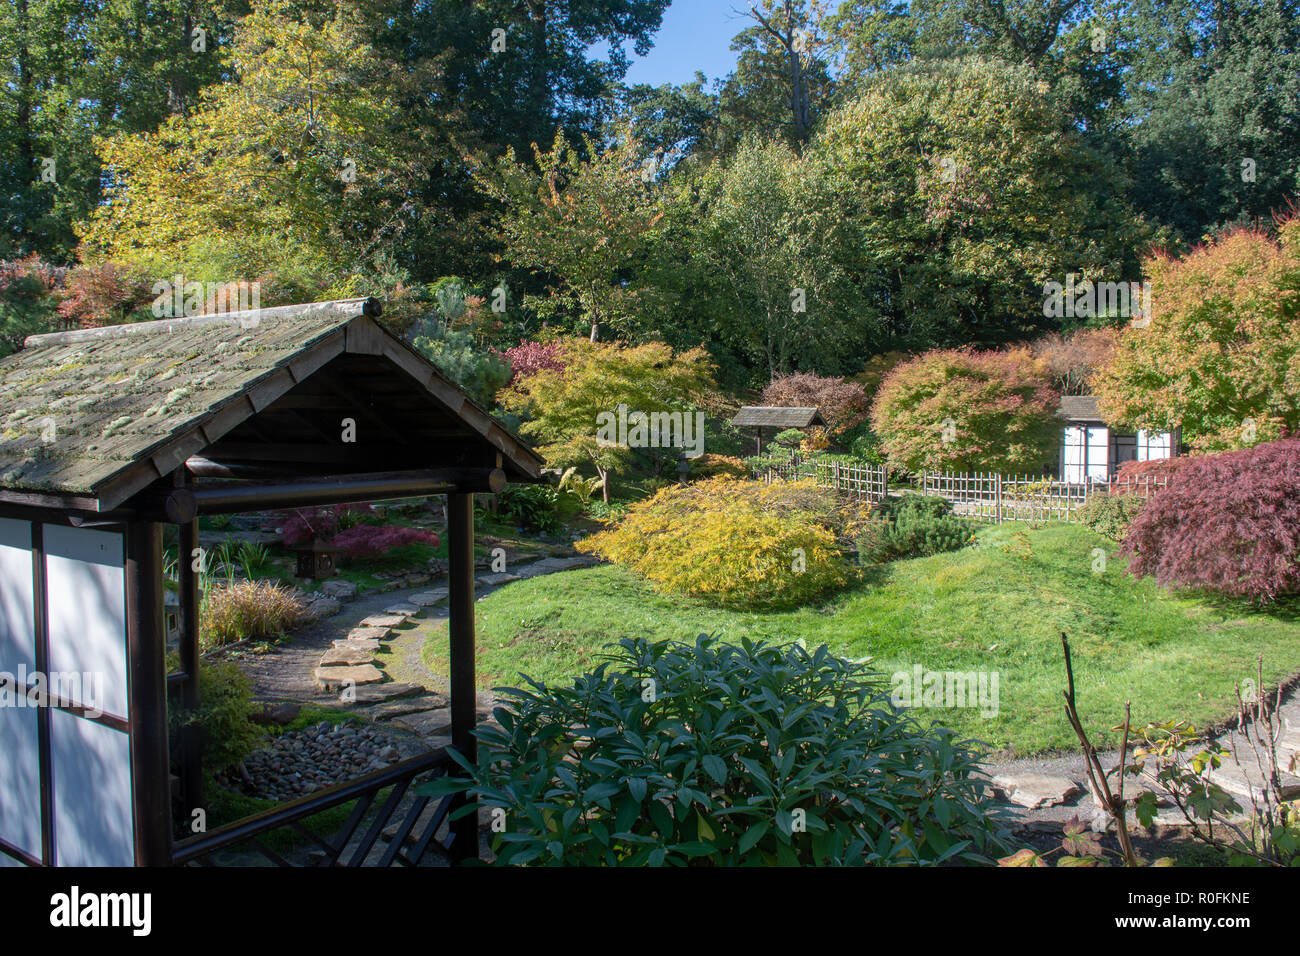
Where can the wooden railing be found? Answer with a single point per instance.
(989, 496)
(860, 480)
(344, 848)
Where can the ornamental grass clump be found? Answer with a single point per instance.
(736, 543)
(242, 610)
(714, 754)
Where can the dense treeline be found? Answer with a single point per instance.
(874, 177)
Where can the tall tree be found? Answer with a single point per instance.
(73, 69)
(782, 79)
(969, 188)
(304, 167)
(1215, 101)
(768, 241)
(586, 223)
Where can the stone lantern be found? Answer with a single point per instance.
(316, 559)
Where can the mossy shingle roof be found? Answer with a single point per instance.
(769, 416)
(77, 409)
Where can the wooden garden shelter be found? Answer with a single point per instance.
(107, 435)
(776, 418)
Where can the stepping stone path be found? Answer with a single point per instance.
(359, 643)
(426, 723)
(1045, 792)
(350, 665)
(406, 705)
(492, 580)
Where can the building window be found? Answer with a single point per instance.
(1153, 446)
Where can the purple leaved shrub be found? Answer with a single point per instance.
(369, 541)
(1229, 523)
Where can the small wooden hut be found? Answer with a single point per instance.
(108, 435)
(774, 419)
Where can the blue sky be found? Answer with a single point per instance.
(695, 35)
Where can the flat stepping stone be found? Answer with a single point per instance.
(492, 580)
(358, 644)
(369, 634)
(338, 678)
(384, 620)
(379, 693)
(1240, 781)
(1035, 790)
(561, 564)
(404, 610)
(406, 705)
(346, 657)
(427, 598)
(431, 723)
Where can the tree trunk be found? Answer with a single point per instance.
(26, 151)
(604, 483)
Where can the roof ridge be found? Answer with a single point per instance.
(357, 307)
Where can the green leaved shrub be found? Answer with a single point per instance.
(716, 754)
(1110, 515)
(911, 526)
(224, 717)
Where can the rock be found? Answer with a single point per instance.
(346, 657)
(406, 705)
(415, 579)
(321, 607)
(561, 564)
(402, 610)
(1242, 781)
(338, 678)
(427, 598)
(280, 714)
(369, 634)
(339, 589)
(1288, 747)
(378, 693)
(358, 644)
(1034, 790)
(431, 723)
(492, 580)
(384, 620)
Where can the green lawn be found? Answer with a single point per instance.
(998, 605)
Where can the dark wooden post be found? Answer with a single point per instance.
(146, 638)
(192, 741)
(460, 606)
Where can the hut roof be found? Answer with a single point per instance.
(90, 417)
(772, 416)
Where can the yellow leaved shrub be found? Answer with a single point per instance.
(735, 543)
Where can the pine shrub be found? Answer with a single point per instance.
(911, 526)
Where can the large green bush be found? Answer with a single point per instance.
(724, 755)
(224, 717)
(911, 526)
